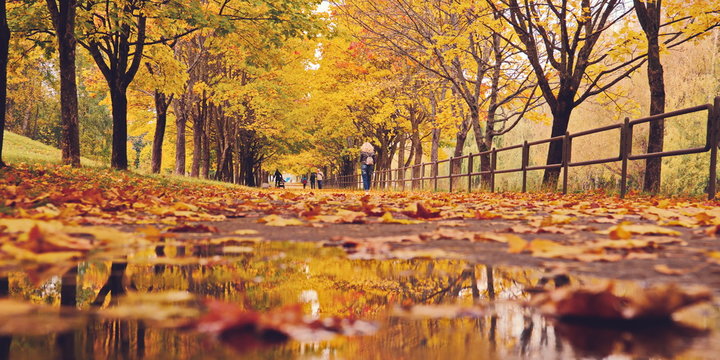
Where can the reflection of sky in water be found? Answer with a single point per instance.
(327, 284)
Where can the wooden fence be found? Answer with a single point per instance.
(394, 178)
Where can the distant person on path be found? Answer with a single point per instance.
(319, 177)
(304, 181)
(312, 179)
(367, 164)
(278, 179)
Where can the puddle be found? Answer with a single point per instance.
(326, 284)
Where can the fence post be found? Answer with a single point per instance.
(436, 168)
(450, 172)
(567, 147)
(469, 171)
(714, 127)
(493, 164)
(422, 177)
(525, 155)
(625, 142)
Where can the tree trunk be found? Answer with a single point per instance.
(485, 142)
(180, 122)
(561, 118)
(4, 49)
(198, 130)
(205, 157)
(161, 106)
(456, 166)
(649, 18)
(401, 161)
(417, 155)
(118, 96)
(63, 14)
(435, 148)
(197, 146)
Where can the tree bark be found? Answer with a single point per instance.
(63, 16)
(460, 138)
(485, 141)
(435, 148)
(417, 155)
(648, 14)
(561, 119)
(205, 156)
(180, 123)
(4, 50)
(118, 97)
(401, 160)
(162, 102)
(198, 129)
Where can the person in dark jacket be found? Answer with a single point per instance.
(367, 164)
(278, 179)
(313, 178)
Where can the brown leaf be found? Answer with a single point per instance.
(601, 302)
(193, 228)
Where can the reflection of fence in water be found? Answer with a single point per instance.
(463, 172)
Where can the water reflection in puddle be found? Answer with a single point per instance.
(272, 275)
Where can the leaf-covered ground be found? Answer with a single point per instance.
(53, 215)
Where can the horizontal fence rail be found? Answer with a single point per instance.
(428, 173)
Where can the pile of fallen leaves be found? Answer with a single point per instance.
(584, 227)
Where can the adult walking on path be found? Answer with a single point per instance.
(278, 179)
(313, 178)
(320, 177)
(367, 164)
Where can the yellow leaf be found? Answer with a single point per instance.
(517, 244)
(276, 220)
(387, 218)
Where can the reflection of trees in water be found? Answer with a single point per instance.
(113, 286)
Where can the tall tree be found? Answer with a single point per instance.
(648, 14)
(684, 21)
(115, 35)
(560, 40)
(62, 13)
(4, 50)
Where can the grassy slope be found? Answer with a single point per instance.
(20, 149)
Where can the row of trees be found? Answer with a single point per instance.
(217, 64)
(276, 83)
(497, 61)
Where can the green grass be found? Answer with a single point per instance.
(20, 149)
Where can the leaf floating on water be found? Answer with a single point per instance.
(240, 326)
(9, 307)
(422, 311)
(601, 303)
(159, 306)
(432, 253)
